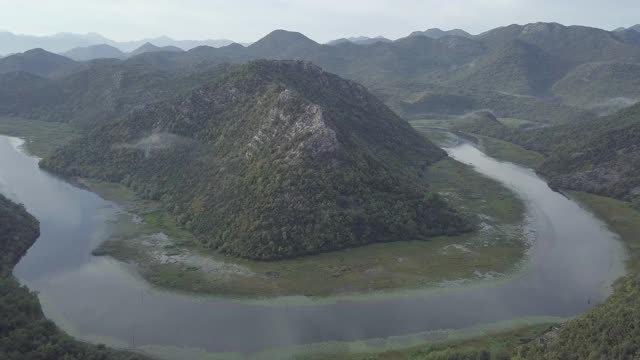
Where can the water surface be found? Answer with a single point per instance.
(572, 263)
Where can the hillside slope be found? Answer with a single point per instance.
(276, 159)
(517, 67)
(601, 156)
(105, 90)
(39, 62)
(92, 52)
(603, 86)
(18, 231)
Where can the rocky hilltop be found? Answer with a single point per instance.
(274, 159)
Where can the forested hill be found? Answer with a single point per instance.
(275, 159)
(18, 231)
(24, 331)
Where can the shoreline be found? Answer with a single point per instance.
(170, 258)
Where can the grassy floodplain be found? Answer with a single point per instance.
(169, 257)
(498, 345)
(584, 333)
(41, 137)
(435, 130)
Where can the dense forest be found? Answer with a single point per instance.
(610, 331)
(275, 159)
(25, 334)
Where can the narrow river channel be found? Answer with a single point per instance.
(572, 262)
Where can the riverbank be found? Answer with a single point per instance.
(577, 339)
(168, 257)
(580, 338)
(436, 131)
(25, 332)
(612, 329)
(497, 345)
(478, 303)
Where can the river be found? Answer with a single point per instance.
(572, 262)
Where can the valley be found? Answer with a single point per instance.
(444, 195)
(168, 256)
(132, 290)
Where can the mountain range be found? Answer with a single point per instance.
(11, 43)
(109, 52)
(360, 40)
(528, 71)
(436, 33)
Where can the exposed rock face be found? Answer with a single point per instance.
(307, 126)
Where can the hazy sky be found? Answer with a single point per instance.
(248, 20)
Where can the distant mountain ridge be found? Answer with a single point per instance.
(511, 70)
(634, 27)
(39, 62)
(149, 47)
(436, 33)
(109, 52)
(102, 51)
(360, 40)
(11, 43)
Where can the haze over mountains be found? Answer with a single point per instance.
(11, 43)
(360, 40)
(78, 46)
(71, 43)
(535, 71)
(634, 27)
